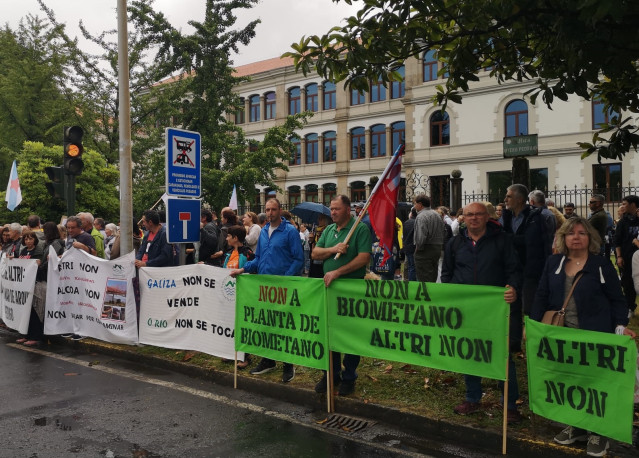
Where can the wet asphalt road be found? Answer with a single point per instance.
(65, 404)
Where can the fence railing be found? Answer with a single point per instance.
(561, 196)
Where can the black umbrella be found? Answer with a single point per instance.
(310, 211)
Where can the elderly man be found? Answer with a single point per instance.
(482, 254)
(89, 228)
(429, 239)
(279, 252)
(12, 249)
(354, 257)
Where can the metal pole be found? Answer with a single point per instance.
(124, 118)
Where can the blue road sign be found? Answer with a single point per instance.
(183, 220)
(183, 163)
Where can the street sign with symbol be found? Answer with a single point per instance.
(183, 163)
(183, 220)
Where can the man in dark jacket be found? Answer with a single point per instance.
(209, 233)
(155, 250)
(409, 246)
(482, 254)
(627, 231)
(598, 218)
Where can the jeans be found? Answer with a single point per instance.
(349, 374)
(410, 273)
(473, 386)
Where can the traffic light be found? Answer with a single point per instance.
(57, 186)
(73, 150)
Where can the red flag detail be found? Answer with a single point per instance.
(382, 208)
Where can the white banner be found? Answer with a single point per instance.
(17, 281)
(190, 308)
(91, 297)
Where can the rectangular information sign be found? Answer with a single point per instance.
(183, 163)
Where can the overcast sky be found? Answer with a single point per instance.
(283, 21)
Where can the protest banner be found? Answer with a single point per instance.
(91, 297)
(582, 378)
(459, 328)
(282, 318)
(17, 281)
(189, 307)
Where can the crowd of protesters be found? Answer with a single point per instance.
(525, 245)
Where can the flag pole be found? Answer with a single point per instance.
(398, 152)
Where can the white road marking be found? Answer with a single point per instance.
(208, 395)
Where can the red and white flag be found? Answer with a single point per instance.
(383, 202)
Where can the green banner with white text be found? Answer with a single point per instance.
(282, 318)
(582, 378)
(459, 328)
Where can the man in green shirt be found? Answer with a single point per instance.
(354, 257)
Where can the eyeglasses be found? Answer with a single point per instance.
(471, 215)
(593, 202)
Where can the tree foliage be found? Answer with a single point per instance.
(96, 186)
(585, 47)
(228, 158)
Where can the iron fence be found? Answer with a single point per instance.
(561, 196)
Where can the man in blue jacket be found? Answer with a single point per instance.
(279, 252)
(482, 254)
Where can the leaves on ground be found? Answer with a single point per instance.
(388, 369)
(70, 374)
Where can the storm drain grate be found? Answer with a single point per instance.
(344, 423)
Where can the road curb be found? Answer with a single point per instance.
(482, 441)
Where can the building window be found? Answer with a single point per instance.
(239, 113)
(312, 104)
(329, 140)
(357, 97)
(254, 108)
(358, 143)
(516, 117)
(311, 193)
(358, 191)
(294, 196)
(398, 133)
(312, 156)
(330, 97)
(601, 116)
(294, 101)
(378, 140)
(439, 129)
(269, 105)
(430, 66)
(378, 91)
(607, 181)
(296, 157)
(398, 88)
(330, 191)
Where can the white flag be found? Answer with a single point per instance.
(233, 202)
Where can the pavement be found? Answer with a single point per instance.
(520, 443)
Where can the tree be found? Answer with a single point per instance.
(96, 190)
(588, 48)
(203, 58)
(33, 106)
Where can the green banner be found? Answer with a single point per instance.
(282, 318)
(459, 328)
(582, 378)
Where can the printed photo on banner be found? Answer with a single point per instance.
(114, 307)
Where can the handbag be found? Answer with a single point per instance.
(556, 317)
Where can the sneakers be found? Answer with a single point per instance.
(597, 445)
(346, 387)
(320, 387)
(264, 366)
(467, 408)
(77, 337)
(570, 435)
(288, 373)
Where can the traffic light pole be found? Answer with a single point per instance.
(69, 183)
